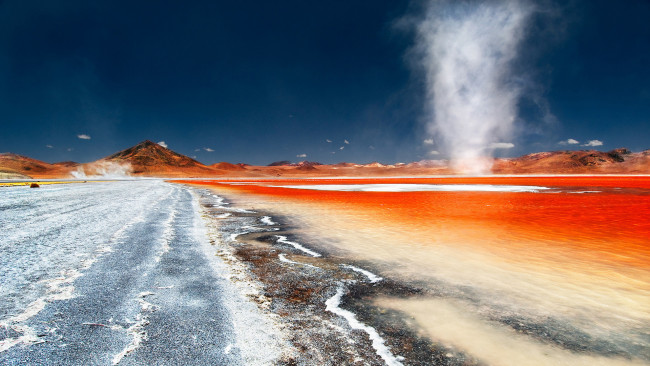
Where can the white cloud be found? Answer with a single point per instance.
(569, 142)
(49, 146)
(301, 155)
(594, 143)
(162, 143)
(502, 145)
(328, 140)
(434, 152)
(428, 142)
(70, 149)
(83, 136)
(208, 149)
(342, 147)
(195, 150)
(371, 147)
(346, 142)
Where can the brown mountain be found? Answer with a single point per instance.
(150, 159)
(22, 166)
(228, 166)
(617, 161)
(68, 164)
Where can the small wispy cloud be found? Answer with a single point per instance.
(342, 147)
(49, 146)
(69, 149)
(502, 145)
(593, 143)
(346, 142)
(208, 149)
(196, 150)
(328, 140)
(163, 144)
(428, 142)
(371, 147)
(83, 136)
(301, 155)
(434, 152)
(569, 142)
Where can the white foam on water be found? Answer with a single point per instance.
(219, 201)
(284, 258)
(247, 230)
(239, 210)
(332, 305)
(418, 188)
(373, 278)
(266, 220)
(283, 239)
(223, 215)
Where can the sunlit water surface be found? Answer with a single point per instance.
(556, 273)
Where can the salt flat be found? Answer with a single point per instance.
(118, 272)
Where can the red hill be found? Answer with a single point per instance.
(150, 159)
(14, 164)
(618, 161)
(227, 166)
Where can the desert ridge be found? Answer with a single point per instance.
(149, 159)
(14, 166)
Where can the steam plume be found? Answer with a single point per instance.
(467, 50)
(103, 169)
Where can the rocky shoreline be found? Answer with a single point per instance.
(324, 303)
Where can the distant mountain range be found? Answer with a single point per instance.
(150, 159)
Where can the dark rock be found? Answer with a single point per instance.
(307, 163)
(617, 154)
(280, 163)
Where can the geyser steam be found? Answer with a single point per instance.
(467, 51)
(103, 169)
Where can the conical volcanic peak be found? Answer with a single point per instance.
(150, 159)
(151, 154)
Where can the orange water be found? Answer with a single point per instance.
(613, 226)
(583, 259)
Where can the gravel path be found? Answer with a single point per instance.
(118, 273)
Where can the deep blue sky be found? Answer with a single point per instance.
(260, 81)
